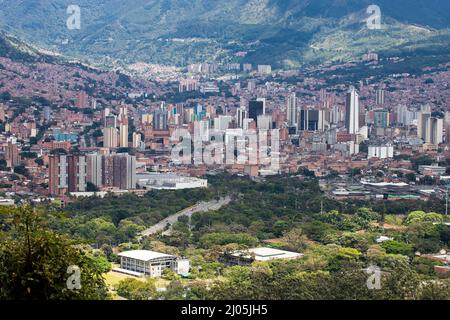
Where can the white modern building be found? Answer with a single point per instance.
(381, 152)
(352, 111)
(150, 263)
(248, 256)
(292, 109)
(168, 181)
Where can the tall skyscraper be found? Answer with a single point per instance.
(352, 111)
(67, 173)
(255, 109)
(76, 173)
(47, 113)
(241, 114)
(264, 122)
(110, 121)
(380, 97)
(124, 171)
(381, 119)
(94, 169)
(3, 112)
(423, 124)
(137, 139)
(160, 120)
(313, 120)
(12, 154)
(435, 135)
(110, 137)
(57, 182)
(430, 129)
(292, 109)
(123, 133)
(222, 122)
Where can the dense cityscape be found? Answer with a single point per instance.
(224, 180)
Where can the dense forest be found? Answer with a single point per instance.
(338, 240)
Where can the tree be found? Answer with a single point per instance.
(20, 169)
(90, 187)
(34, 261)
(169, 274)
(295, 239)
(280, 227)
(221, 238)
(421, 216)
(135, 289)
(396, 247)
(411, 177)
(174, 291)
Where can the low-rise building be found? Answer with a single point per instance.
(163, 181)
(150, 263)
(245, 257)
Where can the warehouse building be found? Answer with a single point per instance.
(169, 181)
(150, 263)
(245, 257)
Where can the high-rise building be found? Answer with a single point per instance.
(264, 122)
(94, 169)
(264, 69)
(380, 97)
(3, 112)
(405, 116)
(255, 109)
(47, 113)
(58, 177)
(110, 137)
(435, 135)
(422, 124)
(352, 111)
(137, 139)
(241, 114)
(204, 130)
(292, 109)
(160, 120)
(67, 173)
(430, 129)
(124, 171)
(222, 122)
(12, 154)
(76, 173)
(82, 100)
(188, 85)
(313, 120)
(381, 119)
(110, 121)
(123, 134)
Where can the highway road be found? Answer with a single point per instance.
(213, 205)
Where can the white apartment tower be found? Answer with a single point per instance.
(352, 111)
(292, 109)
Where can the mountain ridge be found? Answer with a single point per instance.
(180, 32)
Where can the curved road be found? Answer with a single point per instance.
(199, 207)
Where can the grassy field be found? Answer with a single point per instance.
(112, 279)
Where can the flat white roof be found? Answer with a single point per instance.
(266, 254)
(144, 255)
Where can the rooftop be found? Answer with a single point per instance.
(266, 254)
(144, 255)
